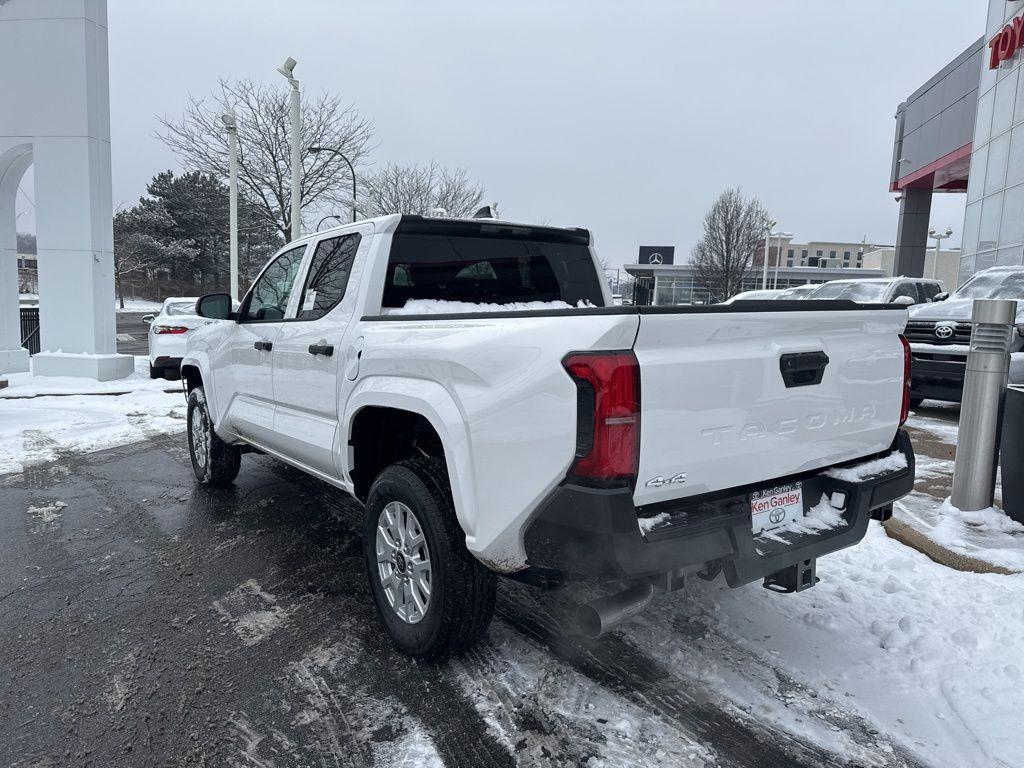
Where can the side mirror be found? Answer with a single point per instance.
(940, 296)
(215, 306)
(147, 319)
(904, 300)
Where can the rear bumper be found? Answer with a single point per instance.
(594, 532)
(167, 362)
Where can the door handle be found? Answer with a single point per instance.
(263, 346)
(803, 369)
(326, 350)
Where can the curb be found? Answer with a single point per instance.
(914, 539)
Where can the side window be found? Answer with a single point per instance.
(269, 297)
(328, 276)
(929, 291)
(907, 289)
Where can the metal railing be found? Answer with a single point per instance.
(30, 329)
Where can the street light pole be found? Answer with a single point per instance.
(938, 238)
(288, 69)
(767, 251)
(232, 129)
(351, 170)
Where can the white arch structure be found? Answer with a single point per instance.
(56, 117)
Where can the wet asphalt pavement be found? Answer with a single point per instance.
(145, 620)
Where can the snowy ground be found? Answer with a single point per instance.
(891, 660)
(44, 417)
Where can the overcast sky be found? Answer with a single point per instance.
(624, 117)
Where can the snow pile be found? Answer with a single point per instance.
(988, 535)
(894, 462)
(888, 642)
(648, 524)
(821, 517)
(441, 307)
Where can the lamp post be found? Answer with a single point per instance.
(325, 218)
(938, 238)
(231, 126)
(288, 70)
(778, 256)
(351, 170)
(767, 251)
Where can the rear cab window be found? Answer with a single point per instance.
(489, 265)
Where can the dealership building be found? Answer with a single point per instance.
(963, 132)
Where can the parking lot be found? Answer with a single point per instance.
(145, 620)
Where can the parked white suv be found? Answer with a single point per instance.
(880, 290)
(471, 383)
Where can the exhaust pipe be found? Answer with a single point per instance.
(600, 616)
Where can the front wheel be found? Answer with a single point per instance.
(215, 462)
(433, 597)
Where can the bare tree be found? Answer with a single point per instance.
(734, 228)
(419, 189)
(264, 145)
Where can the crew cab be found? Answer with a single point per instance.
(472, 384)
(940, 335)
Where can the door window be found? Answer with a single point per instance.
(929, 291)
(268, 300)
(907, 289)
(328, 276)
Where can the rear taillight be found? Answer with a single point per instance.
(905, 408)
(161, 329)
(608, 416)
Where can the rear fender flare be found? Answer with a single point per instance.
(434, 403)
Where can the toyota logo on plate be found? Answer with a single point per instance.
(655, 258)
(944, 332)
(777, 515)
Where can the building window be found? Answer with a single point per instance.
(831, 254)
(790, 254)
(789, 262)
(846, 255)
(803, 254)
(819, 254)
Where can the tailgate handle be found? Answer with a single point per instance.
(803, 369)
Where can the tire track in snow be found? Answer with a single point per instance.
(616, 665)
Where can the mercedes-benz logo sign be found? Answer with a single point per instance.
(944, 332)
(655, 258)
(777, 515)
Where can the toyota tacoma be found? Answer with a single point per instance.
(471, 383)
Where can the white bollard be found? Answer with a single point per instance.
(981, 411)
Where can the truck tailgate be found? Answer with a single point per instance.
(732, 398)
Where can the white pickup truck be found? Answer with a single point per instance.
(561, 436)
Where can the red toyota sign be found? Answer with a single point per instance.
(1006, 43)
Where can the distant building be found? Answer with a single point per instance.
(945, 271)
(835, 253)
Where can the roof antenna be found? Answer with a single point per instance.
(487, 212)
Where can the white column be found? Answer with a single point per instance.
(59, 52)
(14, 161)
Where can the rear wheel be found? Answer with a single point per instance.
(433, 597)
(915, 402)
(214, 462)
(155, 373)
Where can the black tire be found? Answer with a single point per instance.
(221, 462)
(155, 373)
(462, 590)
(915, 403)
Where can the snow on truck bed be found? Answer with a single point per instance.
(441, 307)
